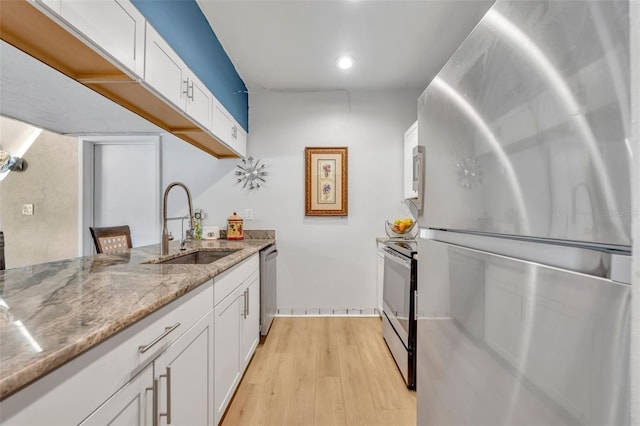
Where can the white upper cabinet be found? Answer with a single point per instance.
(115, 26)
(220, 122)
(54, 5)
(410, 142)
(239, 139)
(198, 100)
(228, 130)
(164, 71)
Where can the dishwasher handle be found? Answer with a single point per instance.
(269, 253)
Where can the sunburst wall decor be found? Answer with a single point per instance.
(252, 174)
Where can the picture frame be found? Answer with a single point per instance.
(326, 181)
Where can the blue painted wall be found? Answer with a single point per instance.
(182, 24)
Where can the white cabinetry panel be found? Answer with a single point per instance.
(410, 142)
(228, 330)
(220, 122)
(380, 277)
(198, 101)
(237, 327)
(116, 26)
(185, 374)
(239, 139)
(53, 5)
(130, 406)
(164, 71)
(251, 323)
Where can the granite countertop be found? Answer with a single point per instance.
(52, 312)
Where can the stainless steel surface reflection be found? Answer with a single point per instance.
(523, 316)
(526, 128)
(512, 342)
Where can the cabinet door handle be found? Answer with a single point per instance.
(168, 413)
(186, 88)
(234, 132)
(244, 304)
(155, 403)
(149, 345)
(247, 290)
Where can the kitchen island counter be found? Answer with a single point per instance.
(52, 312)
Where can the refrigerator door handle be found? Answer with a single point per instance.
(621, 269)
(593, 261)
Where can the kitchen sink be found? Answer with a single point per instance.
(198, 258)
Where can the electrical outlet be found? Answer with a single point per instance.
(248, 214)
(27, 209)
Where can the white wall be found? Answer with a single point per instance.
(324, 262)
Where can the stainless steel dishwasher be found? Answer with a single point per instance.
(268, 287)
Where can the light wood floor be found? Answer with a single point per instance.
(323, 371)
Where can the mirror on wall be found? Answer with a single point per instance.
(39, 205)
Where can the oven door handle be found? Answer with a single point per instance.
(397, 259)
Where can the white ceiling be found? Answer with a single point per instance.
(294, 44)
(274, 45)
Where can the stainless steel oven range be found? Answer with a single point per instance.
(399, 304)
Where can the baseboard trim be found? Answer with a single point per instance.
(323, 312)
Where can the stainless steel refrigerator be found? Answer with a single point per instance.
(525, 249)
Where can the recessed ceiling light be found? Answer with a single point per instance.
(344, 62)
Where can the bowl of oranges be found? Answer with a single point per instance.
(400, 228)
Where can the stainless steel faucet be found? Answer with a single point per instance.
(165, 231)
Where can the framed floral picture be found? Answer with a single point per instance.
(326, 181)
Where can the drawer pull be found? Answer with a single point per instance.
(167, 330)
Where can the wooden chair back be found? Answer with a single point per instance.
(111, 239)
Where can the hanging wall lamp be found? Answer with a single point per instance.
(11, 163)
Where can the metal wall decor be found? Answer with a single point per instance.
(469, 173)
(252, 174)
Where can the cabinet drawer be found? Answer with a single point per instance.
(229, 280)
(94, 376)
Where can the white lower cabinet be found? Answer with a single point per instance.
(176, 388)
(237, 329)
(130, 406)
(228, 321)
(185, 377)
(251, 322)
